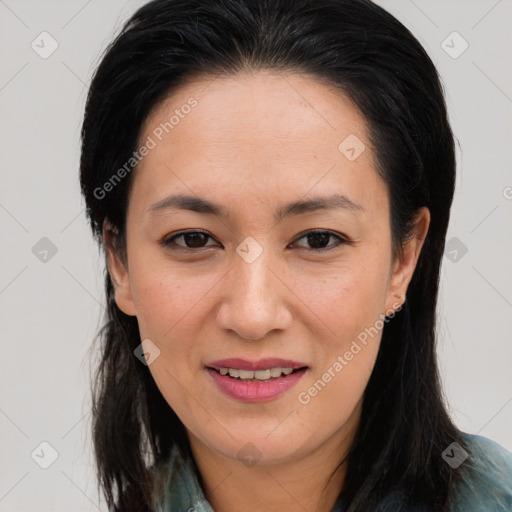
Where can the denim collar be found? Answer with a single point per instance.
(183, 491)
(488, 486)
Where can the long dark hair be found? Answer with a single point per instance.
(370, 56)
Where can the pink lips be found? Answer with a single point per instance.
(256, 390)
(262, 364)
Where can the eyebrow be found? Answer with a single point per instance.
(204, 206)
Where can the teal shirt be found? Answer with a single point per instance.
(488, 490)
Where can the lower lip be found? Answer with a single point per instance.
(256, 391)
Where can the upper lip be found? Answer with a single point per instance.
(262, 364)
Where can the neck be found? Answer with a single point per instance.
(299, 483)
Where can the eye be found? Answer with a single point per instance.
(318, 240)
(193, 240)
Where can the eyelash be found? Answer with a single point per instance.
(168, 241)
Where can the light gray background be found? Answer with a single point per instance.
(50, 310)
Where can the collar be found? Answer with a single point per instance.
(183, 491)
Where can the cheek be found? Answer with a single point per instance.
(350, 298)
(346, 298)
(350, 304)
(352, 311)
(165, 296)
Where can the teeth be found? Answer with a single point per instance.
(258, 375)
(276, 372)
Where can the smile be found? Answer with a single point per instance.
(248, 387)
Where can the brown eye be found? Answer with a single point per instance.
(192, 240)
(319, 240)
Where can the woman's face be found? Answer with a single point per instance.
(253, 286)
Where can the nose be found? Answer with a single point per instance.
(256, 300)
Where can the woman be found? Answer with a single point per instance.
(271, 182)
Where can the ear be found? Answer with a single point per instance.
(118, 271)
(405, 264)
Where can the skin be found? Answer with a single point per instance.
(255, 142)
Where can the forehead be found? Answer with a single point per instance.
(256, 133)
(260, 109)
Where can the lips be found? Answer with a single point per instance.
(262, 364)
(253, 391)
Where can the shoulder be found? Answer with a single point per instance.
(486, 482)
(176, 485)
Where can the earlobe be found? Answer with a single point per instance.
(405, 265)
(118, 272)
